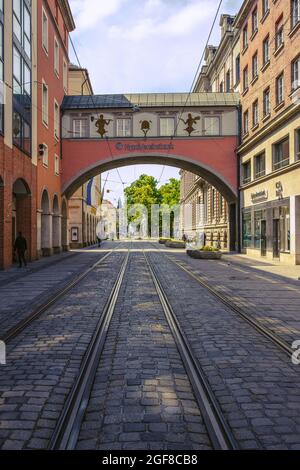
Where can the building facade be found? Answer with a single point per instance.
(54, 22)
(83, 204)
(18, 159)
(203, 209)
(270, 149)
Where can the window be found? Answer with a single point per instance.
(296, 74)
(221, 88)
(167, 126)
(245, 37)
(265, 7)
(281, 154)
(17, 129)
(255, 116)
(297, 144)
(211, 125)
(56, 165)
(245, 78)
(124, 127)
(284, 227)
(45, 103)
(280, 89)
(45, 29)
(17, 20)
(266, 102)
(279, 33)
(246, 122)
(254, 21)
(260, 165)
(45, 156)
(295, 10)
(56, 56)
(258, 217)
(246, 172)
(228, 84)
(266, 50)
(237, 69)
(80, 128)
(247, 229)
(56, 120)
(21, 51)
(255, 66)
(27, 31)
(65, 75)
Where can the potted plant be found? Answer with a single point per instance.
(206, 252)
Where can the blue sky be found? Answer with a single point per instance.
(136, 46)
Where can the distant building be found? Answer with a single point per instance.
(84, 202)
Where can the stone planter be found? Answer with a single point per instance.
(202, 254)
(174, 244)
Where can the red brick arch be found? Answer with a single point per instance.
(212, 158)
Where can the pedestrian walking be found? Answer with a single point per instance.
(20, 247)
(99, 241)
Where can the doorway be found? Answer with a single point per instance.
(263, 238)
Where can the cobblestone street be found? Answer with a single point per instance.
(141, 394)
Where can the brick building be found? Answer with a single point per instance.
(18, 163)
(54, 22)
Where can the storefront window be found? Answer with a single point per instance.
(247, 236)
(258, 217)
(285, 242)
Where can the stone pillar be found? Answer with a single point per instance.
(56, 237)
(47, 235)
(295, 228)
(39, 233)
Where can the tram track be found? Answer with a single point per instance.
(256, 324)
(219, 432)
(67, 431)
(20, 326)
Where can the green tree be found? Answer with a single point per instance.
(142, 191)
(170, 192)
(145, 191)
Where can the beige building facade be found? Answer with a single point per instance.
(203, 209)
(259, 58)
(270, 149)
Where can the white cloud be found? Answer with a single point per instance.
(88, 13)
(143, 45)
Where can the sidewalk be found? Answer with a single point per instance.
(270, 267)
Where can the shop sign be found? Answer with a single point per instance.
(259, 196)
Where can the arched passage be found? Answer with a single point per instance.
(1, 223)
(56, 226)
(64, 226)
(221, 181)
(46, 225)
(22, 212)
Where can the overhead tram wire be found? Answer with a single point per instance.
(198, 69)
(92, 98)
(194, 79)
